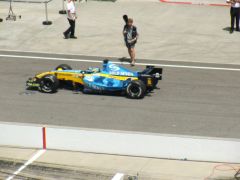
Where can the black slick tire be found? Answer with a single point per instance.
(49, 84)
(136, 89)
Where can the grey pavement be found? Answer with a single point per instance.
(78, 165)
(196, 102)
(189, 101)
(200, 2)
(167, 31)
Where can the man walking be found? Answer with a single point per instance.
(235, 13)
(71, 16)
(130, 37)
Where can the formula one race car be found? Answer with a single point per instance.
(111, 78)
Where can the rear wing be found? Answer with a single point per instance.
(153, 71)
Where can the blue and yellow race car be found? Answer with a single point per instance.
(111, 78)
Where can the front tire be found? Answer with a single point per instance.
(136, 89)
(49, 84)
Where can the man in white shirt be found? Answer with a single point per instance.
(235, 13)
(71, 16)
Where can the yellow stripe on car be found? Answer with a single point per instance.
(78, 77)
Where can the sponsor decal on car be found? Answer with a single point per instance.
(89, 78)
(121, 73)
(95, 87)
(114, 67)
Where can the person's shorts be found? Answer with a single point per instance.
(130, 45)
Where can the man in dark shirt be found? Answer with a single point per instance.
(235, 13)
(130, 37)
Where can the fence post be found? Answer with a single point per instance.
(46, 12)
(63, 11)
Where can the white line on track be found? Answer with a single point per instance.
(141, 64)
(30, 161)
(75, 54)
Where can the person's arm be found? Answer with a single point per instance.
(136, 37)
(74, 15)
(232, 1)
(124, 31)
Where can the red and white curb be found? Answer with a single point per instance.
(193, 3)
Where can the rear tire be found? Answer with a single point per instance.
(49, 84)
(63, 67)
(136, 89)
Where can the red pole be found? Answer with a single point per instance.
(44, 138)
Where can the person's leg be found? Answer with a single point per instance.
(72, 28)
(66, 33)
(232, 19)
(131, 52)
(237, 19)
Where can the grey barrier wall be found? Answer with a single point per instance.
(21, 136)
(145, 144)
(121, 143)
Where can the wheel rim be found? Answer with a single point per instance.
(135, 90)
(47, 85)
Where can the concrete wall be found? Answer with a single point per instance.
(21, 136)
(122, 143)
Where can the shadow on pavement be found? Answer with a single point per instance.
(226, 28)
(125, 59)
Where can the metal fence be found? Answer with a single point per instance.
(12, 16)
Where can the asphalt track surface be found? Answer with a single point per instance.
(198, 100)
